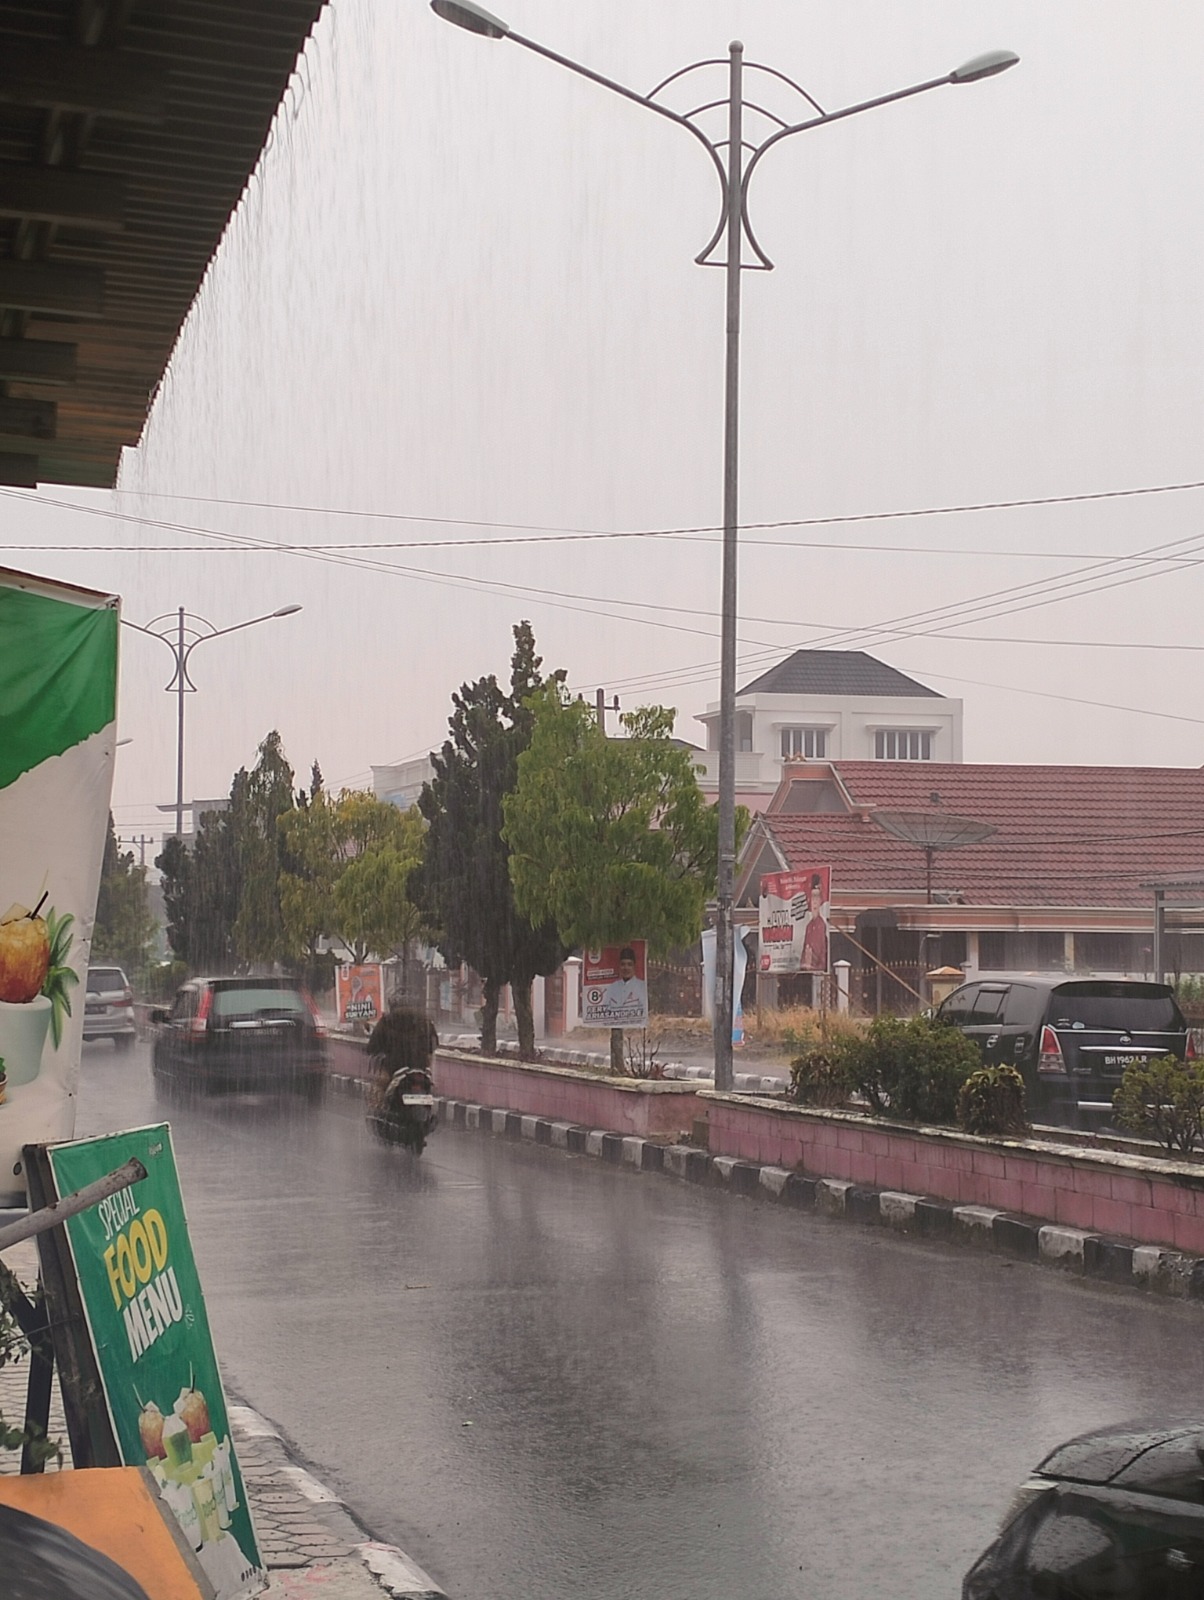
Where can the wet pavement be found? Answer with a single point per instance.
(541, 1375)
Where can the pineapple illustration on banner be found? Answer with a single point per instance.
(58, 705)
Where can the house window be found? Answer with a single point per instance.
(902, 744)
(808, 744)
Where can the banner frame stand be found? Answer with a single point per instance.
(89, 1429)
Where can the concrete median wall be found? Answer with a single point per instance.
(566, 1094)
(1137, 1197)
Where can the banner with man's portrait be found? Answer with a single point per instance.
(795, 913)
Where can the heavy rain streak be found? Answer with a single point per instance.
(452, 369)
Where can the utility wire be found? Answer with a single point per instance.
(543, 533)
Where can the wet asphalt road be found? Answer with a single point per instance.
(547, 1377)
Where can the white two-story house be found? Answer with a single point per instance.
(829, 705)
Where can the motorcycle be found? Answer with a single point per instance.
(400, 1101)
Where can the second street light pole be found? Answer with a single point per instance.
(725, 931)
(728, 157)
(189, 631)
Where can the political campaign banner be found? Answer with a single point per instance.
(359, 992)
(146, 1317)
(614, 986)
(58, 707)
(795, 911)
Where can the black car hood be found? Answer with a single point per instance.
(1154, 1456)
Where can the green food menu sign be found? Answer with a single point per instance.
(146, 1315)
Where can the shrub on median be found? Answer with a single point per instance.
(1163, 1099)
(821, 1076)
(913, 1069)
(992, 1101)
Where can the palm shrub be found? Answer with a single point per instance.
(992, 1101)
(1163, 1099)
(913, 1069)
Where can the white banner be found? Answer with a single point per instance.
(58, 704)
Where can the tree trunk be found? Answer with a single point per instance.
(489, 999)
(618, 1063)
(524, 1016)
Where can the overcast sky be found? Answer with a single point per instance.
(460, 294)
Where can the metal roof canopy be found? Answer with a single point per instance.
(1175, 883)
(128, 132)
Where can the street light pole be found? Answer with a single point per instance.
(725, 931)
(734, 171)
(180, 678)
(189, 631)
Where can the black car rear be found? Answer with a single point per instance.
(243, 1034)
(1115, 1512)
(1070, 1038)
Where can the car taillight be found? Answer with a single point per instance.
(127, 996)
(1191, 1046)
(319, 1025)
(1050, 1059)
(200, 1022)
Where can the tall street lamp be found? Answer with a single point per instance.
(182, 631)
(735, 158)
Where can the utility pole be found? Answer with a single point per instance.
(603, 708)
(140, 844)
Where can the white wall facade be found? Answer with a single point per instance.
(850, 726)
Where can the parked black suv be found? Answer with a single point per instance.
(1070, 1038)
(242, 1033)
(1117, 1512)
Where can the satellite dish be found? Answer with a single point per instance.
(931, 831)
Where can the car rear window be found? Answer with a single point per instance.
(229, 1003)
(101, 979)
(1117, 1007)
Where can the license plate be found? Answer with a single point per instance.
(1121, 1062)
(423, 1100)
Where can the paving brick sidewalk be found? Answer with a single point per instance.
(311, 1544)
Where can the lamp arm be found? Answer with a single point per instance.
(628, 94)
(838, 116)
(149, 632)
(815, 122)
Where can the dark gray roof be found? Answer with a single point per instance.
(835, 672)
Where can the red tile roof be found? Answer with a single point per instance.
(1067, 836)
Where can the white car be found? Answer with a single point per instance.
(109, 1008)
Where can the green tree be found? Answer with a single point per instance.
(222, 894)
(258, 799)
(202, 890)
(125, 928)
(464, 886)
(346, 864)
(610, 839)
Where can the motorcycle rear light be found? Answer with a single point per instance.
(1051, 1058)
(319, 1025)
(200, 1022)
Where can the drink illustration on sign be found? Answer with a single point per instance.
(35, 984)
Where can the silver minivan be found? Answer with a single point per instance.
(109, 1007)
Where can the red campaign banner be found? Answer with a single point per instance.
(795, 913)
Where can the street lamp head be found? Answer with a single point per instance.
(286, 611)
(472, 17)
(985, 66)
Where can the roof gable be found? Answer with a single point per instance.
(836, 672)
